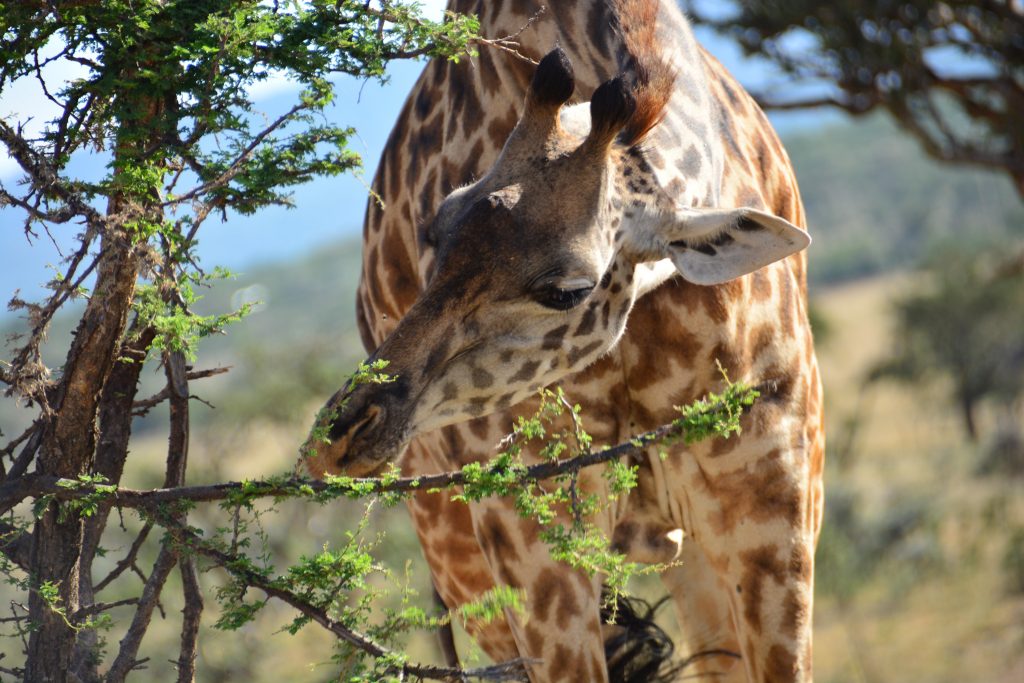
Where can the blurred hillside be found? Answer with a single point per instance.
(921, 563)
(876, 203)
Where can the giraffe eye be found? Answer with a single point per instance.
(564, 299)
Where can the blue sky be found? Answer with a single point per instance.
(326, 210)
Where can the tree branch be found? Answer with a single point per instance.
(508, 43)
(8, 450)
(33, 486)
(513, 670)
(44, 177)
(127, 561)
(98, 607)
(177, 462)
(125, 661)
(236, 166)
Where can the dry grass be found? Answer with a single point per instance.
(951, 620)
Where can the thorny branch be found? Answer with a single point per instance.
(45, 179)
(149, 499)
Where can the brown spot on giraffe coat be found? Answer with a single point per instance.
(554, 598)
(760, 565)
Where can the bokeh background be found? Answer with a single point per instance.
(921, 561)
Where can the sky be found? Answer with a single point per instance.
(326, 210)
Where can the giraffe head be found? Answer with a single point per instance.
(536, 267)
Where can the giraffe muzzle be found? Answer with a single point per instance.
(359, 432)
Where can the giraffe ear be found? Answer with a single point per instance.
(712, 246)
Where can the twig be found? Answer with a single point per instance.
(125, 661)
(140, 408)
(9, 448)
(98, 607)
(22, 632)
(509, 44)
(128, 559)
(574, 493)
(21, 463)
(235, 167)
(17, 673)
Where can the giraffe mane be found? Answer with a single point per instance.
(654, 77)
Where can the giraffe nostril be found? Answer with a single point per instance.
(347, 420)
(371, 418)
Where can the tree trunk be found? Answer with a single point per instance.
(967, 408)
(115, 428)
(68, 447)
(69, 441)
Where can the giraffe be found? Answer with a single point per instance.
(622, 249)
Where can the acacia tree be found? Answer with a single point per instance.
(951, 73)
(166, 94)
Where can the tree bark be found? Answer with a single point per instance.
(68, 448)
(115, 428)
(69, 442)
